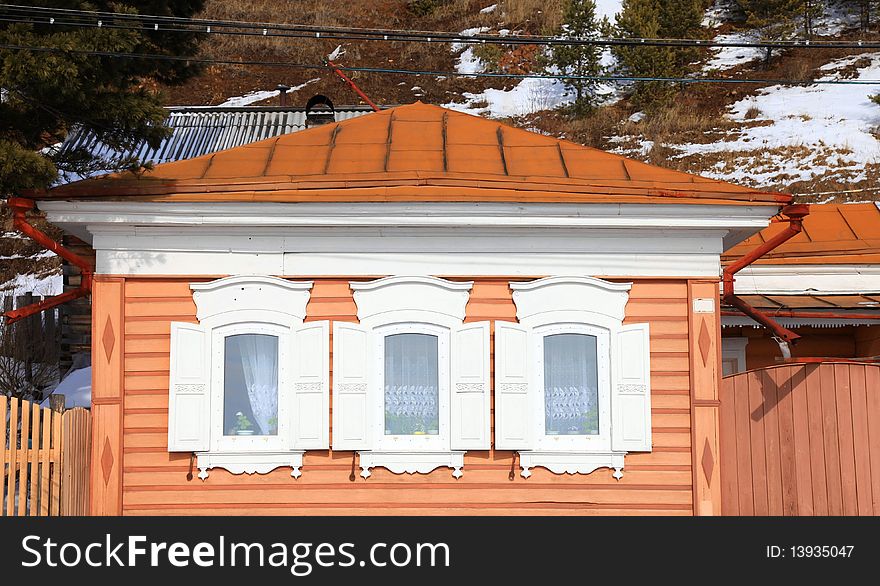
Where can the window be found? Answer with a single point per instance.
(248, 389)
(733, 355)
(411, 384)
(249, 363)
(572, 386)
(411, 388)
(250, 385)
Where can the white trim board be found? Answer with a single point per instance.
(354, 264)
(408, 238)
(733, 217)
(808, 280)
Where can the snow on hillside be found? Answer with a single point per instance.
(259, 96)
(796, 133)
(528, 95)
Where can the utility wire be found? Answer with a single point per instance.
(97, 19)
(382, 70)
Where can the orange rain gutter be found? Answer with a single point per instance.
(20, 206)
(352, 85)
(795, 215)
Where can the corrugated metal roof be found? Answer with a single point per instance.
(200, 131)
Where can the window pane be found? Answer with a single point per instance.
(411, 385)
(250, 385)
(571, 385)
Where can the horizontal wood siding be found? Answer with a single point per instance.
(154, 481)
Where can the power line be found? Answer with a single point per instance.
(98, 19)
(382, 70)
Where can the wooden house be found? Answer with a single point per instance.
(415, 311)
(823, 284)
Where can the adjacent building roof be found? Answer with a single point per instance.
(769, 303)
(197, 131)
(832, 234)
(416, 152)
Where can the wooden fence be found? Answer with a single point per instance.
(801, 439)
(45, 455)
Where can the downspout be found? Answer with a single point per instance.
(795, 215)
(20, 206)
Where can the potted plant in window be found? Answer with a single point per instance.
(243, 425)
(273, 425)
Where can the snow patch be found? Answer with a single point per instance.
(729, 57)
(259, 96)
(48, 285)
(488, 9)
(608, 8)
(823, 129)
(528, 96)
(76, 388)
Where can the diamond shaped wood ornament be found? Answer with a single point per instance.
(705, 342)
(108, 339)
(107, 460)
(708, 462)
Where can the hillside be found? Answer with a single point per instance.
(803, 140)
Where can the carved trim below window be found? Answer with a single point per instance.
(411, 462)
(572, 462)
(250, 462)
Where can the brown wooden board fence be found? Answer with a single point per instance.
(801, 439)
(45, 456)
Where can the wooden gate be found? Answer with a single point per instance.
(45, 456)
(801, 439)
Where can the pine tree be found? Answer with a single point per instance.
(579, 21)
(777, 18)
(47, 93)
(682, 19)
(643, 19)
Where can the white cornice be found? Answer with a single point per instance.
(733, 217)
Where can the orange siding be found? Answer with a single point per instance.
(801, 440)
(154, 481)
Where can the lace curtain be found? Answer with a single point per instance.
(259, 364)
(411, 385)
(571, 389)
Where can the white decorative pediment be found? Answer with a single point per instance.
(581, 299)
(411, 298)
(251, 293)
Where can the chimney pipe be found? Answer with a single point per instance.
(282, 94)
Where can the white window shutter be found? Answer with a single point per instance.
(631, 395)
(351, 389)
(470, 387)
(310, 419)
(513, 387)
(189, 396)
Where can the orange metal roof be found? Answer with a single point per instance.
(804, 301)
(832, 234)
(416, 152)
